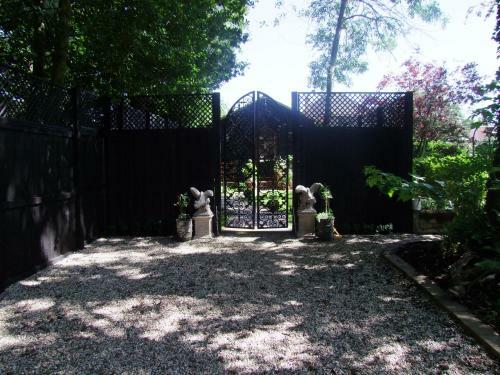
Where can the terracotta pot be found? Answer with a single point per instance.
(184, 229)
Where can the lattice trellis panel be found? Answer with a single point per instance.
(91, 110)
(163, 112)
(362, 110)
(27, 98)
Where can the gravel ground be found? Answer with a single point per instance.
(233, 304)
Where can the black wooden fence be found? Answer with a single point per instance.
(51, 172)
(74, 166)
(160, 146)
(332, 146)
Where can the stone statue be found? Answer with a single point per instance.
(202, 202)
(307, 200)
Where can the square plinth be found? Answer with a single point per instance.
(306, 222)
(202, 226)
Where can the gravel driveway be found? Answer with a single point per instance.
(245, 304)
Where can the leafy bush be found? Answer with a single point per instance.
(384, 228)
(464, 176)
(439, 148)
(326, 195)
(402, 189)
(324, 216)
(182, 204)
(449, 176)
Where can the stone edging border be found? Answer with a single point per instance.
(483, 333)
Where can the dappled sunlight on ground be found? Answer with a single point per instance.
(245, 304)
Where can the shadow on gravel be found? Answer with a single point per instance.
(243, 303)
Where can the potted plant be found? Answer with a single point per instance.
(184, 224)
(325, 219)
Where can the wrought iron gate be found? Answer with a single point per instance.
(256, 163)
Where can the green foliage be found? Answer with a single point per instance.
(487, 113)
(453, 177)
(463, 180)
(280, 169)
(325, 216)
(464, 175)
(442, 148)
(116, 46)
(384, 228)
(240, 187)
(182, 204)
(274, 200)
(325, 194)
(248, 170)
(402, 189)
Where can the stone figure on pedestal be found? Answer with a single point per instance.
(203, 214)
(306, 214)
(307, 199)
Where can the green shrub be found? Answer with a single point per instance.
(182, 204)
(442, 148)
(324, 216)
(325, 194)
(402, 189)
(384, 228)
(464, 177)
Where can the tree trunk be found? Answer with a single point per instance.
(331, 62)
(61, 42)
(39, 40)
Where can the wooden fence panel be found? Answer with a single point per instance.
(364, 129)
(37, 208)
(148, 169)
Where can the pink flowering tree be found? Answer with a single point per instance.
(438, 97)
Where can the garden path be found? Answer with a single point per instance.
(246, 303)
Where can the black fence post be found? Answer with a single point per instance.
(408, 134)
(408, 155)
(147, 124)
(79, 233)
(107, 103)
(295, 101)
(295, 161)
(216, 124)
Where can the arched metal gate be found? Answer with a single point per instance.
(256, 164)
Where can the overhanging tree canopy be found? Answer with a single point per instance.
(114, 46)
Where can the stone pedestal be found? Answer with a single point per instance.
(306, 221)
(202, 226)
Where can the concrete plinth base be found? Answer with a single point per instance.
(202, 226)
(306, 221)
